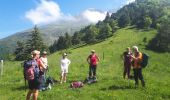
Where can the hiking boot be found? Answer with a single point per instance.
(94, 78)
(136, 85)
(89, 78)
(49, 87)
(143, 84)
(43, 89)
(128, 82)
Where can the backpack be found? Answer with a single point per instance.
(31, 70)
(76, 84)
(145, 59)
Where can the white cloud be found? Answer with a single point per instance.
(45, 12)
(93, 15)
(49, 11)
(129, 1)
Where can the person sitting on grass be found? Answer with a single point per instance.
(93, 60)
(65, 62)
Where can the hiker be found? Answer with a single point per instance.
(35, 83)
(137, 59)
(65, 62)
(44, 60)
(93, 60)
(127, 59)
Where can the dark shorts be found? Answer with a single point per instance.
(33, 84)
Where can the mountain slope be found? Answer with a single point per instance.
(49, 33)
(111, 85)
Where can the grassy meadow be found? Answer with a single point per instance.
(110, 85)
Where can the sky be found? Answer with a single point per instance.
(19, 15)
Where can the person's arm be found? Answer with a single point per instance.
(42, 66)
(98, 58)
(88, 59)
(44, 61)
(122, 56)
(69, 62)
(137, 58)
(131, 59)
(61, 63)
(140, 56)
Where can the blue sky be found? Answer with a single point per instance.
(19, 15)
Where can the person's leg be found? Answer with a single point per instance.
(62, 74)
(65, 77)
(35, 94)
(141, 77)
(94, 71)
(45, 73)
(42, 84)
(90, 71)
(65, 74)
(29, 95)
(136, 76)
(61, 77)
(128, 71)
(124, 72)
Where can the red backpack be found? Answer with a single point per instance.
(76, 84)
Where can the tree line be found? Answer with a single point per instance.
(143, 14)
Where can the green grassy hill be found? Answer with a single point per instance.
(111, 85)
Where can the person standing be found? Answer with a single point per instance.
(137, 59)
(93, 60)
(65, 62)
(44, 60)
(35, 84)
(127, 59)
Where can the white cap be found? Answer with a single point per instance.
(135, 47)
(35, 52)
(64, 54)
(44, 52)
(93, 51)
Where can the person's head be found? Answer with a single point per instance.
(92, 51)
(35, 54)
(128, 49)
(135, 49)
(44, 53)
(64, 55)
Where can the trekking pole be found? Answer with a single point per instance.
(103, 55)
(25, 85)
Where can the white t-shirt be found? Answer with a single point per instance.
(44, 61)
(65, 63)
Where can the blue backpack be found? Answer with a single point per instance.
(145, 60)
(31, 70)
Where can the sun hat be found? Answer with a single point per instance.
(44, 52)
(64, 54)
(35, 52)
(93, 51)
(136, 48)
